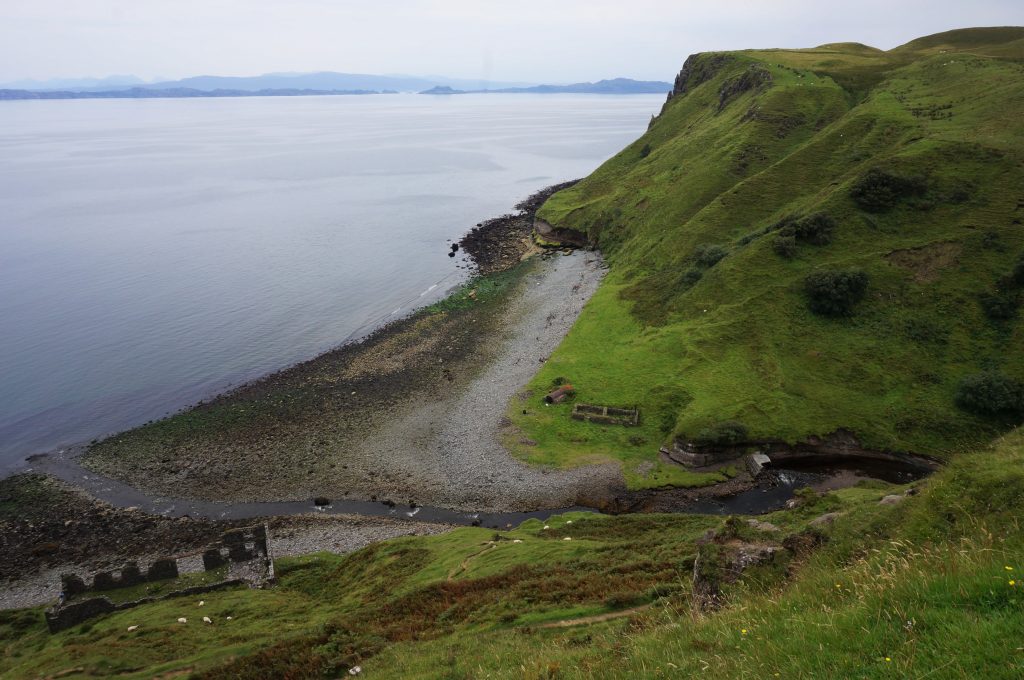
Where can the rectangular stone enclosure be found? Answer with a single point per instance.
(606, 415)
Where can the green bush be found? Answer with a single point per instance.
(991, 393)
(726, 433)
(878, 191)
(991, 240)
(645, 151)
(1017, 274)
(690, 277)
(1000, 305)
(835, 292)
(784, 246)
(708, 255)
(815, 229)
(784, 225)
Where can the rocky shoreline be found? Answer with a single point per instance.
(410, 415)
(500, 243)
(321, 427)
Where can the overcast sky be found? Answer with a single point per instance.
(530, 40)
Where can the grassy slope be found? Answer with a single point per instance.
(740, 343)
(924, 583)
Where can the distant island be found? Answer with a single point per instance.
(612, 86)
(174, 93)
(302, 84)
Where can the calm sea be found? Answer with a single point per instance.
(155, 252)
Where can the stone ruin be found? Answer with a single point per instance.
(245, 552)
(606, 415)
(692, 456)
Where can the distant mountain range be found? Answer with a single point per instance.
(174, 93)
(298, 84)
(74, 84)
(323, 81)
(613, 86)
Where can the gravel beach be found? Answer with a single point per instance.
(451, 447)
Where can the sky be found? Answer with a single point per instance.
(522, 40)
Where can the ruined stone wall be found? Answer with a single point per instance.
(245, 552)
(71, 614)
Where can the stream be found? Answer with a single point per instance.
(775, 487)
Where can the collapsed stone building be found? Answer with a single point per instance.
(245, 552)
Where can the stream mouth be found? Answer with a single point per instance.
(773, 488)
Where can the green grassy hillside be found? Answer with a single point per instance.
(913, 162)
(927, 587)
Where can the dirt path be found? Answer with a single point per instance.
(597, 618)
(464, 564)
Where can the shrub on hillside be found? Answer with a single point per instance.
(1000, 305)
(991, 240)
(991, 393)
(784, 246)
(708, 255)
(835, 292)
(726, 433)
(690, 278)
(1017, 273)
(815, 229)
(784, 226)
(645, 151)
(879, 191)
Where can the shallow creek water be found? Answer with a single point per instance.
(775, 488)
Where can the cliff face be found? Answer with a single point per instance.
(697, 70)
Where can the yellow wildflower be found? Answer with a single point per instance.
(888, 660)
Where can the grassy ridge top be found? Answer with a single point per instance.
(704, 318)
